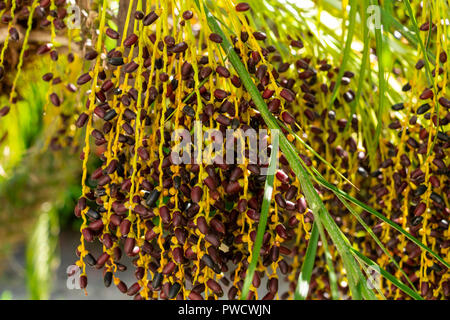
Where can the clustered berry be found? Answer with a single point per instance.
(189, 229)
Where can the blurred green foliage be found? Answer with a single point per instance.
(38, 188)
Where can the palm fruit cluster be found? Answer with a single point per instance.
(38, 34)
(189, 229)
(23, 22)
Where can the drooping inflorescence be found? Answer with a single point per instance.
(189, 228)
